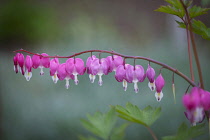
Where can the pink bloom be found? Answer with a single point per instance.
(63, 74)
(151, 76)
(28, 66)
(159, 83)
(15, 60)
(88, 64)
(205, 100)
(75, 67)
(192, 100)
(114, 62)
(120, 75)
(99, 67)
(41, 62)
(54, 64)
(135, 75)
(19, 63)
(195, 104)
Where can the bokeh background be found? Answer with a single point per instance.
(42, 110)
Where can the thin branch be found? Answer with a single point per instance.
(152, 133)
(190, 55)
(193, 45)
(125, 56)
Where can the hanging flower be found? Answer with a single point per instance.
(114, 62)
(88, 64)
(41, 62)
(120, 75)
(28, 67)
(135, 75)
(151, 77)
(18, 60)
(75, 67)
(54, 64)
(99, 67)
(159, 84)
(63, 74)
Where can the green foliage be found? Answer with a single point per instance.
(102, 125)
(198, 27)
(197, 11)
(185, 133)
(132, 113)
(175, 8)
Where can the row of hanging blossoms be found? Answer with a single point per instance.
(196, 102)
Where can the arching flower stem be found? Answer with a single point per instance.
(125, 57)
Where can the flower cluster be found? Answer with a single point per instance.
(196, 102)
(73, 67)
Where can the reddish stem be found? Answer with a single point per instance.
(125, 56)
(193, 45)
(190, 55)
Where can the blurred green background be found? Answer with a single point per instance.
(42, 110)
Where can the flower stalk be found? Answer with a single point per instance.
(193, 45)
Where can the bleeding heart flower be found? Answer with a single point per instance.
(19, 63)
(114, 62)
(88, 64)
(41, 62)
(75, 67)
(63, 74)
(120, 75)
(151, 77)
(28, 66)
(159, 83)
(54, 64)
(99, 67)
(135, 74)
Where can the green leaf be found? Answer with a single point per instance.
(197, 11)
(87, 138)
(132, 113)
(175, 8)
(185, 133)
(100, 124)
(118, 133)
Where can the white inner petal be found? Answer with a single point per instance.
(151, 86)
(100, 81)
(67, 83)
(136, 89)
(125, 84)
(55, 78)
(28, 75)
(92, 78)
(41, 70)
(159, 96)
(76, 81)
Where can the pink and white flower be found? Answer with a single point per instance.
(159, 83)
(151, 77)
(28, 68)
(195, 105)
(120, 75)
(41, 62)
(75, 67)
(135, 74)
(54, 64)
(18, 60)
(99, 67)
(63, 74)
(88, 66)
(114, 62)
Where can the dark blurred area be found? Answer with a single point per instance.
(41, 110)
